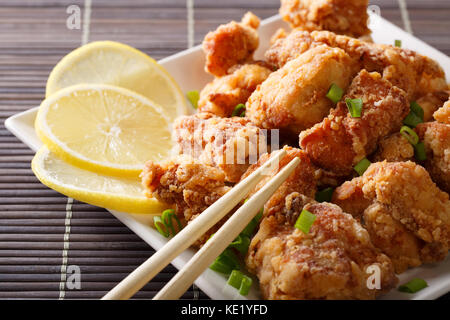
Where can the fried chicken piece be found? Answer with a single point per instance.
(230, 144)
(341, 141)
(302, 180)
(442, 115)
(430, 103)
(223, 94)
(293, 98)
(436, 137)
(230, 44)
(188, 185)
(340, 16)
(416, 74)
(394, 148)
(405, 213)
(331, 261)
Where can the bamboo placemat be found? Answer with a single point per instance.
(41, 233)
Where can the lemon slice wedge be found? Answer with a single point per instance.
(109, 62)
(103, 128)
(121, 194)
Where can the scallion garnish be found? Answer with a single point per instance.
(241, 243)
(160, 226)
(410, 135)
(362, 166)
(193, 97)
(355, 107)
(335, 93)
(226, 262)
(305, 221)
(413, 286)
(398, 43)
(324, 195)
(240, 281)
(250, 228)
(239, 111)
(417, 109)
(167, 217)
(419, 152)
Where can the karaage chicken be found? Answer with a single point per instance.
(230, 144)
(223, 94)
(394, 148)
(293, 98)
(340, 16)
(331, 261)
(340, 141)
(405, 213)
(442, 115)
(230, 44)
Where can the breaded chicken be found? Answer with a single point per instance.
(302, 180)
(436, 137)
(347, 17)
(230, 144)
(223, 94)
(430, 103)
(405, 213)
(230, 44)
(331, 261)
(416, 74)
(442, 115)
(340, 141)
(188, 185)
(293, 98)
(394, 148)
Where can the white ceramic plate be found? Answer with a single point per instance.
(187, 69)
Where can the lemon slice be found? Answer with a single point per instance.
(122, 194)
(104, 128)
(108, 62)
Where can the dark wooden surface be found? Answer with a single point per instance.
(33, 37)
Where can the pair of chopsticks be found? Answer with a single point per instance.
(216, 245)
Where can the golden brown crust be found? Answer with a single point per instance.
(188, 185)
(223, 94)
(394, 148)
(229, 144)
(293, 98)
(407, 215)
(330, 262)
(416, 74)
(436, 137)
(443, 114)
(230, 44)
(340, 16)
(430, 103)
(302, 180)
(341, 141)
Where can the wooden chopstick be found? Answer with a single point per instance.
(188, 235)
(222, 238)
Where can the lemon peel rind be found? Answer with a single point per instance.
(77, 54)
(106, 200)
(74, 157)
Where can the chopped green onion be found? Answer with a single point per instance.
(239, 111)
(160, 226)
(235, 279)
(193, 97)
(362, 166)
(419, 152)
(241, 243)
(167, 217)
(417, 109)
(355, 107)
(250, 228)
(226, 262)
(324, 195)
(413, 286)
(246, 284)
(410, 135)
(335, 93)
(240, 281)
(305, 221)
(412, 120)
(398, 43)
